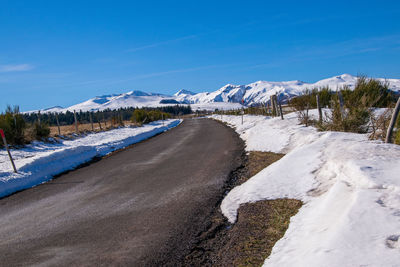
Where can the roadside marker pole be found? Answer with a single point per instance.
(8, 151)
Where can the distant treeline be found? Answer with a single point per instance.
(67, 118)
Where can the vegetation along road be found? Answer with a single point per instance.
(142, 206)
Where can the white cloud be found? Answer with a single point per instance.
(15, 67)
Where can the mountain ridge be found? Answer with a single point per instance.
(226, 97)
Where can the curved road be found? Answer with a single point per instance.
(141, 206)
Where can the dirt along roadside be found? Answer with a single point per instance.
(259, 225)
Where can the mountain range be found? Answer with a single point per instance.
(228, 97)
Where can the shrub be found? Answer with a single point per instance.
(356, 112)
(371, 93)
(141, 116)
(41, 131)
(13, 124)
(354, 116)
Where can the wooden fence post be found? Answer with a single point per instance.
(319, 109)
(91, 120)
(3, 136)
(280, 110)
(306, 118)
(273, 110)
(392, 122)
(58, 124)
(99, 121)
(104, 119)
(341, 103)
(76, 122)
(39, 118)
(275, 99)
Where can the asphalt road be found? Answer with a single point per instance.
(138, 207)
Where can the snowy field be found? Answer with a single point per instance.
(39, 162)
(350, 187)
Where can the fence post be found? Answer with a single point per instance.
(76, 123)
(58, 124)
(273, 109)
(280, 110)
(275, 99)
(392, 122)
(8, 151)
(319, 109)
(99, 121)
(39, 118)
(341, 103)
(91, 120)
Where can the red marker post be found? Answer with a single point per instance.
(8, 151)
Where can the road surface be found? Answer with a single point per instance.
(141, 206)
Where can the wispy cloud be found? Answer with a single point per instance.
(161, 43)
(15, 67)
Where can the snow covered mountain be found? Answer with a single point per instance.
(228, 97)
(130, 99)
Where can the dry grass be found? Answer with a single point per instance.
(84, 127)
(261, 224)
(260, 160)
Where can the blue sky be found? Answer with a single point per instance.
(64, 52)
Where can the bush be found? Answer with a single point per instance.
(371, 93)
(41, 131)
(356, 112)
(13, 125)
(357, 106)
(141, 116)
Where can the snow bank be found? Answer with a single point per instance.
(39, 162)
(350, 187)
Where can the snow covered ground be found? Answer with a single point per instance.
(39, 162)
(350, 187)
